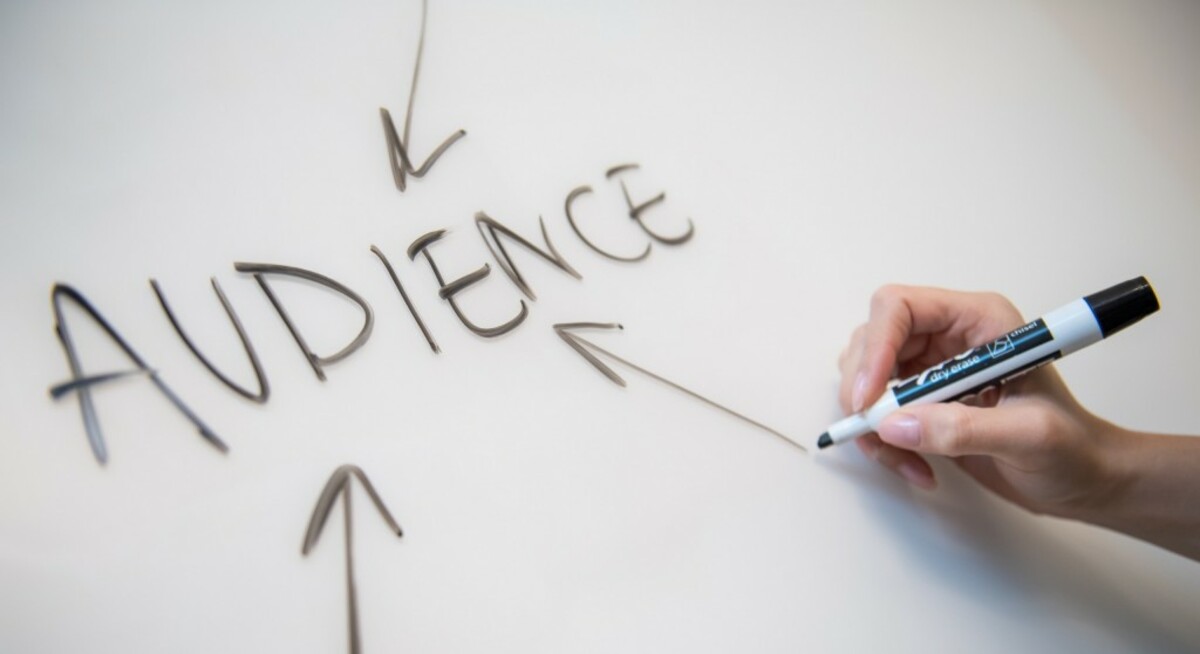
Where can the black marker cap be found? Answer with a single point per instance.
(1122, 305)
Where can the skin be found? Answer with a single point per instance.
(1030, 441)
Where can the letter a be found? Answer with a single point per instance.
(82, 384)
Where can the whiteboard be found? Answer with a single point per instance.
(1043, 150)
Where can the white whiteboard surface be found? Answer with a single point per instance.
(1044, 150)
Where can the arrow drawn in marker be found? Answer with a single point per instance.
(582, 345)
(339, 484)
(398, 148)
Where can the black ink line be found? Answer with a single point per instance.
(448, 291)
(608, 174)
(82, 384)
(351, 591)
(489, 226)
(59, 390)
(407, 302)
(264, 389)
(574, 341)
(259, 270)
(398, 148)
(339, 485)
(423, 241)
(571, 197)
(636, 210)
(578, 342)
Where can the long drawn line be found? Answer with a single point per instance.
(412, 91)
(690, 392)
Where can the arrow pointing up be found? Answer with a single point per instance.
(585, 349)
(339, 484)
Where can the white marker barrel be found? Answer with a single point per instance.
(1057, 334)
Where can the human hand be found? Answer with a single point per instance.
(1028, 441)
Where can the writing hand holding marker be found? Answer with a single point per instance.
(1027, 440)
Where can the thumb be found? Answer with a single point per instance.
(954, 429)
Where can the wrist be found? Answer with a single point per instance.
(1119, 467)
(1148, 489)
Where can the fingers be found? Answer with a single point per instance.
(901, 314)
(909, 465)
(912, 326)
(850, 360)
(915, 346)
(896, 312)
(1016, 434)
(848, 363)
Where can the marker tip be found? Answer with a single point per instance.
(824, 441)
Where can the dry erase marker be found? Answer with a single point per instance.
(1054, 335)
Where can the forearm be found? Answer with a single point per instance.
(1155, 494)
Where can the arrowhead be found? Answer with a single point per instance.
(333, 487)
(577, 343)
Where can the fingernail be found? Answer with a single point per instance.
(858, 396)
(915, 474)
(901, 430)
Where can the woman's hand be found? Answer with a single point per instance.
(1029, 441)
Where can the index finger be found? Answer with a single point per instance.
(900, 312)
